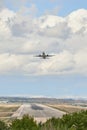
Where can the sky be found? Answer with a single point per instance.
(29, 27)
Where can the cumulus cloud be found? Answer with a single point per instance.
(61, 30)
(23, 36)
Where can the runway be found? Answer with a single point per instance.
(38, 111)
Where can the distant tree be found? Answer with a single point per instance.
(26, 123)
(3, 126)
(75, 120)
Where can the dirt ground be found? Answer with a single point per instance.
(68, 108)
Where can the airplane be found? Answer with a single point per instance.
(43, 55)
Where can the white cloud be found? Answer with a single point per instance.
(81, 61)
(23, 36)
(61, 30)
(77, 20)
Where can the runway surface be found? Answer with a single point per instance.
(38, 111)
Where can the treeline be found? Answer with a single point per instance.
(75, 121)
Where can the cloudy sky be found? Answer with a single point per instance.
(29, 27)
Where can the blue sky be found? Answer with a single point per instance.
(20, 75)
(64, 7)
(49, 86)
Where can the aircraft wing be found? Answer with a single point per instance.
(50, 55)
(38, 56)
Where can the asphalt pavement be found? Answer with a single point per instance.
(38, 111)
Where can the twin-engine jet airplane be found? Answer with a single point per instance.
(43, 55)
